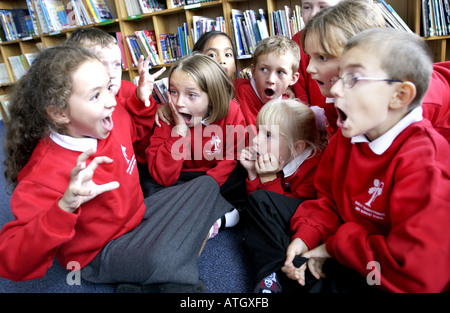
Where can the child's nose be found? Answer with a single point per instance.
(271, 78)
(178, 101)
(221, 59)
(111, 100)
(310, 68)
(336, 89)
(256, 140)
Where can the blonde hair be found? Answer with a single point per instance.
(335, 25)
(296, 121)
(280, 45)
(212, 79)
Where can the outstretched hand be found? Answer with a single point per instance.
(81, 187)
(146, 80)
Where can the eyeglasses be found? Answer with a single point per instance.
(349, 80)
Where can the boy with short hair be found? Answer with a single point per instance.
(274, 69)
(383, 204)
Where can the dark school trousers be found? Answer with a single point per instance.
(233, 190)
(267, 230)
(164, 247)
(266, 238)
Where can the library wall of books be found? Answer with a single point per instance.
(166, 30)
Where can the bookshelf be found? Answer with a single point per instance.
(168, 18)
(411, 12)
(164, 21)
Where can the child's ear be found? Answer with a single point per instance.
(404, 95)
(294, 79)
(59, 116)
(299, 146)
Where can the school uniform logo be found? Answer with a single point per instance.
(215, 146)
(373, 193)
(131, 162)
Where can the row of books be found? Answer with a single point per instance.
(248, 28)
(287, 22)
(18, 23)
(137, 7)
(4, 77)
(202, 24)
(54, 15)
(435, 18)
(391, 17)
(160, 89)
(18, 66)
(245, 72)
(175, 46)
(179, 3)
(143, 42)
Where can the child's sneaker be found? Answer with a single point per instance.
(269, 284)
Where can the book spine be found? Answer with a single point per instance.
(130, 50)
(235, 20)
(122, 50)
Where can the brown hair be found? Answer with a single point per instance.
(47, 84)
(280, 45)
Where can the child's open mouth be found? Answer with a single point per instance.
(187, 117)
(107, 122)
(342, 117)
(269, 92)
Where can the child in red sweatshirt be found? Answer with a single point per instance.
(274, 69)
(71, 163)
(281, 166)
(208, 129)
(323, 40)
(306, 89)
(382, 210)
(106, 48)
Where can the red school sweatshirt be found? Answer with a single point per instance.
(307, 90)
(248, 100)
(41, 230)
(390, 207)
(168, 155)
(144, 115)
(299, 184)
(436, 103)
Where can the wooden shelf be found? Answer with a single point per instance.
(167, 21)
(411, 12)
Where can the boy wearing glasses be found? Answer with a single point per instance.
(381, 218)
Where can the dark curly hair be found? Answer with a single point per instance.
(46, 86)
